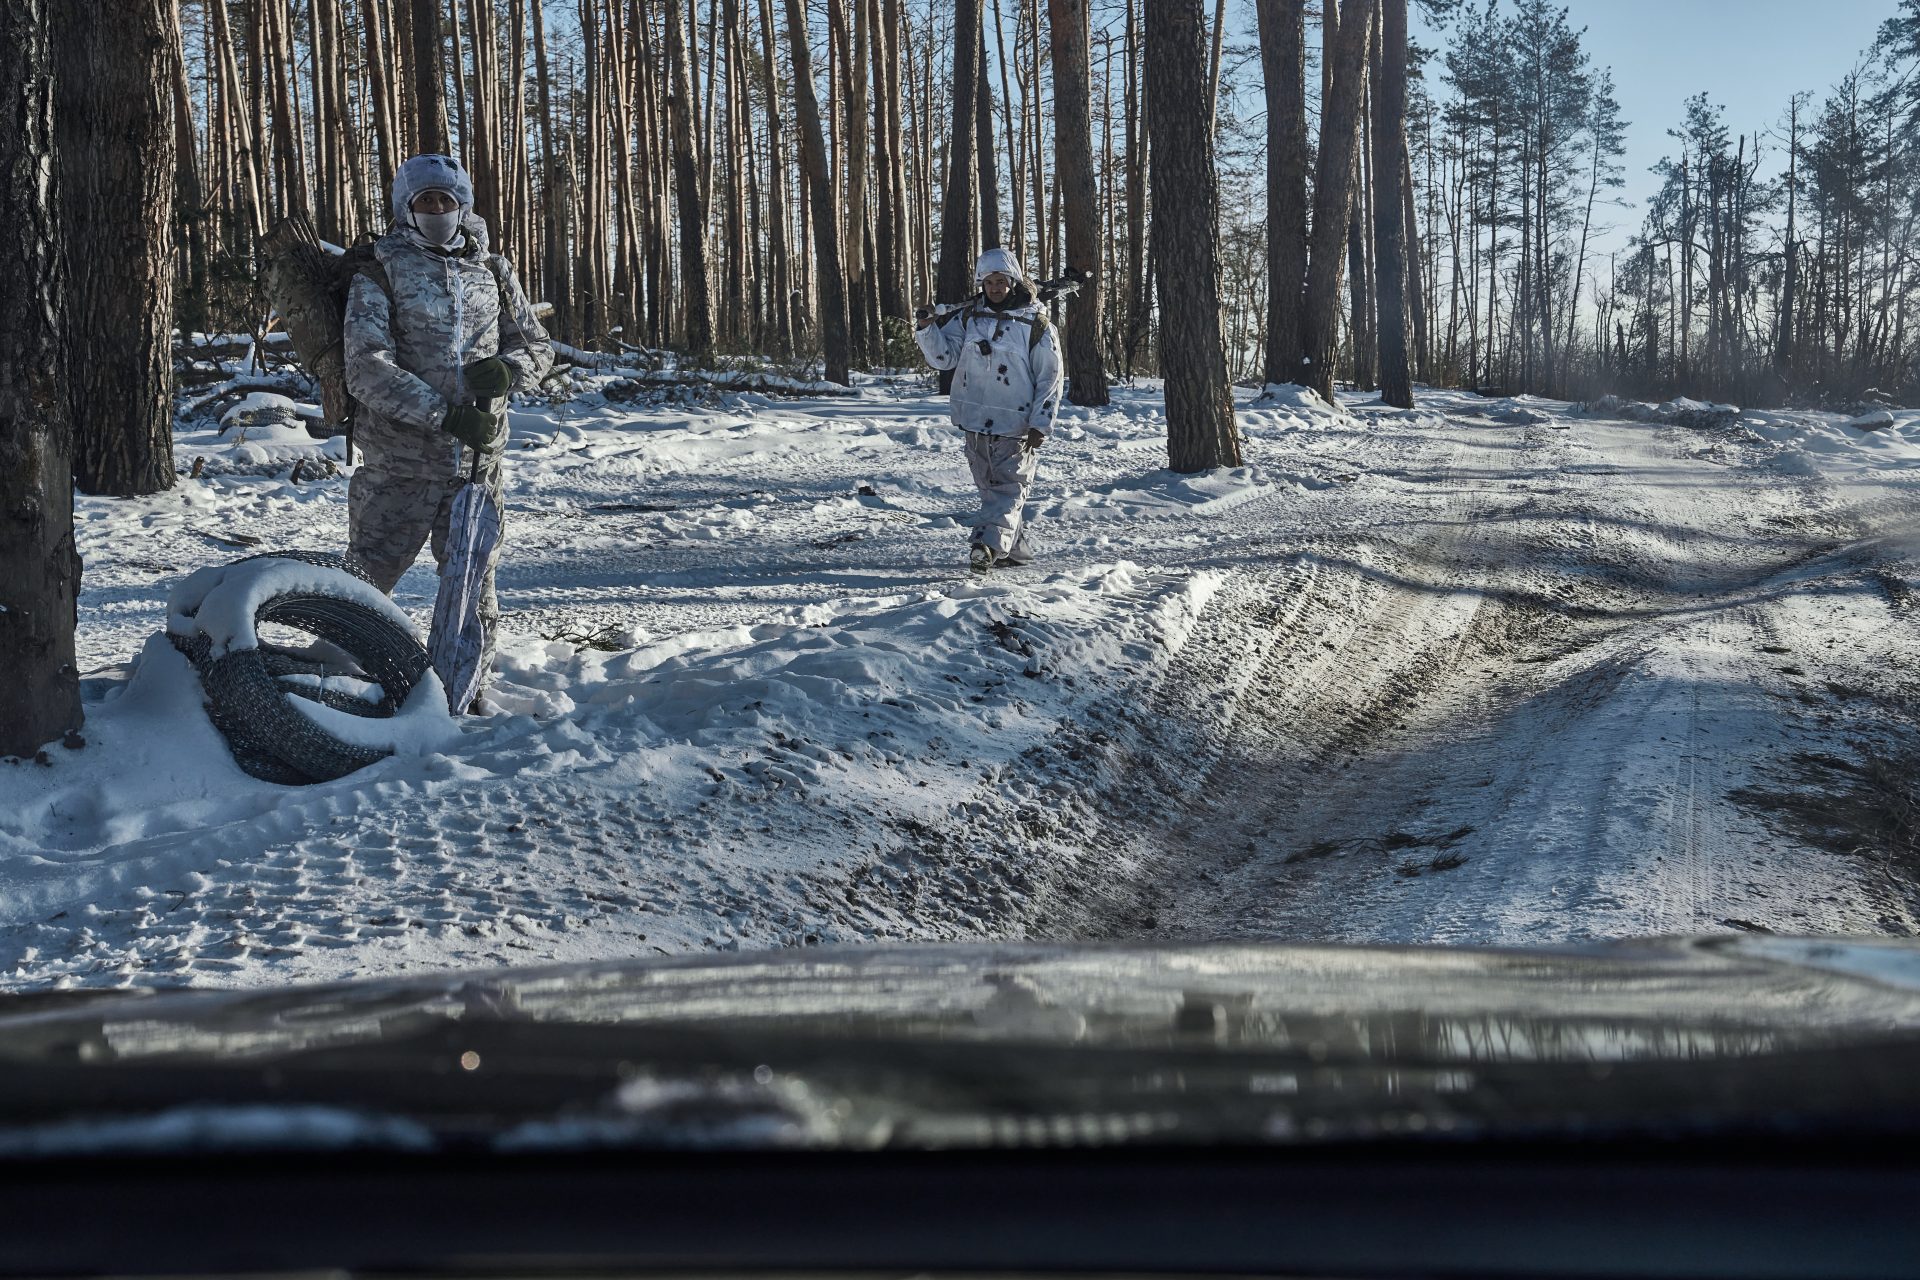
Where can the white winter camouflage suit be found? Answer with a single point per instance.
(405, 349)
(998, 396)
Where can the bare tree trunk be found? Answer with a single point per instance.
(190, 210)
(555, 192)
(1138, 301)
(1073, 147)
(992, 229)
(694, 282)
(431, 133)
(385, 106)
(1016, 135)
(39, 564)
(1046, 248)
(737, 271)
(777, 248)
(1359, 278)
(1416, 291)
(1783, 353)
(116, 158)
(826, 228)
(1200, 426)
(1333, 188)
(854, 44)
(1283, 51)
(889, 158)
(1213, 67)
(1389, 214)
(955, 283)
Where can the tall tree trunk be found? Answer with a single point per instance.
(1016, 135)
(694, 281)
(382, 90)
(1138, 297)
(863, 335)
(555, 193)
(116, 158)
(826, 220)
(1283, 51)
(431, 134)
(781, 282)
(1333, 188)
(1389, 221)
(1044, 245)
(39, 564)
(992, 228)
(1783, 354)
(1360, 278)
(955, 282)
(1200, 425)
(190, 211)
(1073, 149)
(1417, 308)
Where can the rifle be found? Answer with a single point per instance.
(1069, 282)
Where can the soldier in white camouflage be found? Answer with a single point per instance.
(432, 351)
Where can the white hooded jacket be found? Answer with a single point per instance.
(1006, 363)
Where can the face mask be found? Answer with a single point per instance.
(437, 228)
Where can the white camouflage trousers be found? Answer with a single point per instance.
(1003, 470)
(401, 497)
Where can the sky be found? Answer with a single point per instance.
(1750, 56)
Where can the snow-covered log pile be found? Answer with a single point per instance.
(1697, 415)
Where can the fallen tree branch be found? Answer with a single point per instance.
(776, 384)
(241, 386)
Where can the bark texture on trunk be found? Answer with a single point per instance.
(992, 227)
(1073, 151)
(696, 288)
(831, 277)
(1200, 426)
(39, 564)
(1283, 58)
(115, 144)
(431, 134)
(1389, 224)
(956, 215)
(1332, 190)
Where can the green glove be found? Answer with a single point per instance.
(489, 378)
(479, 430)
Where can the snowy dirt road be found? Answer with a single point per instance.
(1538, 708)
(1486, 672)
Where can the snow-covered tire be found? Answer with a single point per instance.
(252, 706)
(324, 559)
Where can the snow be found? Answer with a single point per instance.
(1483, 671)
(221, 602)
(258, 404)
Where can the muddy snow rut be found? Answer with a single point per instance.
(1515, 717)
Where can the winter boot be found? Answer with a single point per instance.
(980, 558)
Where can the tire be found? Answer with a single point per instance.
(271, 738)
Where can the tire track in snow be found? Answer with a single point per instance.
(1442, 782)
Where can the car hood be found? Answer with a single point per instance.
(993, 1046)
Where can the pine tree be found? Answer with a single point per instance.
(1283, 54)
(1073, 145)
(1200, 427)
(1389, 227)
(39, 565)
(116, 155)
(1332, 192)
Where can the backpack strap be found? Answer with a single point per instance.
(1036, 330)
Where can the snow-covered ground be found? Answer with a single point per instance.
(1485, 671)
